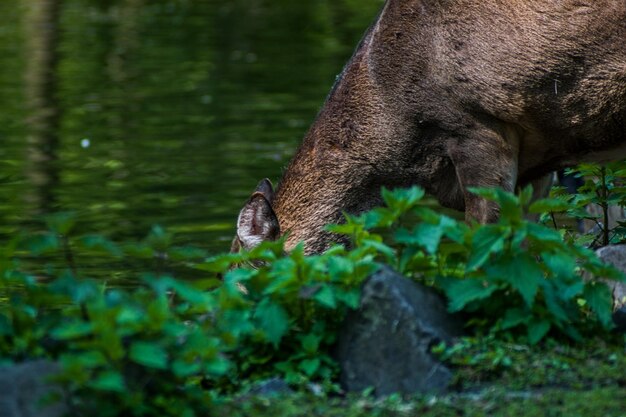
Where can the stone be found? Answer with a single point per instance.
(616, 256)
(386, 343)
(24, 386)
(270, 387)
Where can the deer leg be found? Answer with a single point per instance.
(541, 189)
(542, 185)
(490, 161)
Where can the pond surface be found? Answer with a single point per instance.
(134, 112)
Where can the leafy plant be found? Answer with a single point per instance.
(514, 274)
(156, 345)
(604, 186)
(152, 343)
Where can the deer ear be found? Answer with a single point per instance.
(257, 221)
(265, 187)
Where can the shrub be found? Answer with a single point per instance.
(167, 346)
(515, 274)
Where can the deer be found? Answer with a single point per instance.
(448, 95)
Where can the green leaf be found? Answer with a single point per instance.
(109, 381)
(350, 298)
(72, 330)
(339, 267)
(543, 234)
(560, 264)
(456, 231)
(546, 205)
(425, 235)
(182, 368)
(510, 207)
(388, 252)
(43, 243)
(189, 293)
(273, 320)
(485, 241)
(219, 263)
(377, 217)
(310, 343)
(364, 267)
(486, 193)
(129, 316)
(84, 360)
(553, 302)
(147, 354)
(514, 317)
(537, 329)
(79, 290)
(600, 300)
(237, 322)
(348, 228)
(284, 270)
(526, 195)
(310, 366)
(522, 272)
(402, 199)
(460, 292)
(206, 284)
(219, 366)
(518, 236)
(326, 297)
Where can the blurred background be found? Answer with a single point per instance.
(140, 112)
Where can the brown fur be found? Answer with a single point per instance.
(448, 94)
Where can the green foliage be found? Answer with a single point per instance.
(603, 186)
(603, 400)
(496, 376)
(513, 276)
(153, 347)
(156, 344)
(479, 360)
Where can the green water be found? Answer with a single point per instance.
(140, 112)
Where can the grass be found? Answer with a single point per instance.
(492, 378)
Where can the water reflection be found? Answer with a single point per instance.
(42, 31)
(183, 106)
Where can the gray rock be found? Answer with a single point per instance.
(270, 387)
(386, 343)
(616, 256)
(23, 386)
